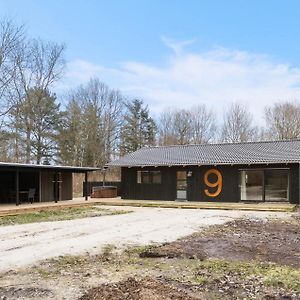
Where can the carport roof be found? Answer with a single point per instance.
(269, 152)
(5, 165)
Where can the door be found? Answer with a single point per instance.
(181, 184)
(252, 182)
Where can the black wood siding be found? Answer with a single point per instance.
(196, 186)
(130, 189)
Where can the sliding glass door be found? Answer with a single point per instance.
(264, 185)
(252, 185)
(276, 185)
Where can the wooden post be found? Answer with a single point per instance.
(55, 187)
(298, 183)
(86, 185)
(104, 171)
(40, 185)
(17, 188)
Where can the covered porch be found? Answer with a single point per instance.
(25, 183)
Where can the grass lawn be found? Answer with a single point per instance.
(58, 215)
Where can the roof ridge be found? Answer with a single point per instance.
(220, 144)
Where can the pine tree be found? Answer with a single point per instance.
(39, 117)
(139, 129)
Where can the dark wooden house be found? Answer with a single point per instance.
(40, 183)
(251, 172)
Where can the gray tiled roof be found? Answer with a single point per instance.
(214, 154)
(7, 165)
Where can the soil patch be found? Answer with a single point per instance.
(133, 289)
(24, 293)
(239, 240)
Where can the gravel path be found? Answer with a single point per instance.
(22, 245)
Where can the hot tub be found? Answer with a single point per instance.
(104, 192)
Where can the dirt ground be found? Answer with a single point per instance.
(245, 258)
(25, 244)
(239, 240)
(276, 242)
(133, 289)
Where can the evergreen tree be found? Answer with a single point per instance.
(139, 128)
(38, 121)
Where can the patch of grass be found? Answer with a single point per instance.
(137, 250)
(44, 273)
(209, 275)
(281, 276)
(107, 252)
(271, 274)
(201, 279)
(63, 263)
(59, 215)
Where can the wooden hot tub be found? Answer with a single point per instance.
(104, 192)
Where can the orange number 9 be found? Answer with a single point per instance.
(217, 184)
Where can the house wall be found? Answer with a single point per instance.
(130, 189)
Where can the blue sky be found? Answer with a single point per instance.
(175, 53)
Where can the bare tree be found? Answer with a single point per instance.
(175, 127)
(237, 125)
(181, 126)
(11, 37)
(38, 66)
(71, 135)
(166, 128)
(90, 134)
(203, 125)
(112, 124)
(283, 121)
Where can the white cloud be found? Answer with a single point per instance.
(176, 46)
(215, 78)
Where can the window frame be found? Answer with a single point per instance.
(264, 182)
(150, 174)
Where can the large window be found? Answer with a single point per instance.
(276, 185)
(264, 185)
(149, 177)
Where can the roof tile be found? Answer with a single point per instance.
(214, 154)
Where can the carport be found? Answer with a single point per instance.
(45, 183)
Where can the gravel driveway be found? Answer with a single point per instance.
(21, 245)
